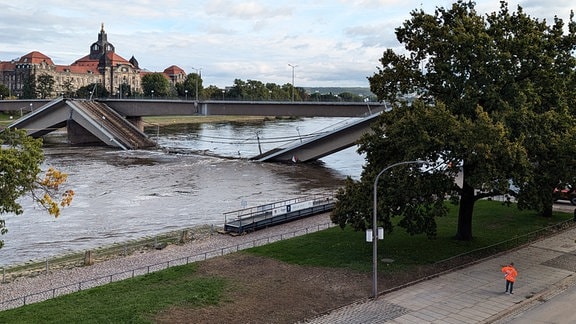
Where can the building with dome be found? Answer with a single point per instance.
(102, 66)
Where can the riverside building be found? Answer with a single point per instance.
(102, 67)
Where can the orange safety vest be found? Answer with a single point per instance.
(510, 273)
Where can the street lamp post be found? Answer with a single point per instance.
(375, 227)
(198, 71)
(292, 66)
(186, 92)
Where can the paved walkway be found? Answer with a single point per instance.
(474, 294)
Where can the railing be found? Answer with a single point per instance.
(254, 218)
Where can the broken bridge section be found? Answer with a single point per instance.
(87, 123)
(322, 145)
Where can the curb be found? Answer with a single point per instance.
(534, 300)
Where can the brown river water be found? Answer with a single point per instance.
(198, 173)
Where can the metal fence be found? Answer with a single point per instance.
(126, 274)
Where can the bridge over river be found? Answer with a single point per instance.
(149, 107)
(119, 122)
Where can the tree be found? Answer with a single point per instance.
(68, 86)
(155, 84)
(4, 92)
(45, 86)
(29, 88)
(93, 90)
(20, 159)
(213, 93)
(491, 91)
(195, 81)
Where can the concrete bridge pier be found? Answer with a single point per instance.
(136, 121)
(78, 135)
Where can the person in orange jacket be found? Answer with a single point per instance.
(510, 276)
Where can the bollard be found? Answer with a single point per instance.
(46, 265)
(125, 250)
(3, 275)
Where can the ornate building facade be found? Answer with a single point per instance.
(103, 67)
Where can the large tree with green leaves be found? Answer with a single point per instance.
(155, 84)
(488, 101)
(20, 174)
(45, 86)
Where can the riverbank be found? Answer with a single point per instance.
(40, 284)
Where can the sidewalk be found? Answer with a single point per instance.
(474, 294)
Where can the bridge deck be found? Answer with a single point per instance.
(342, 137)
(255, 218)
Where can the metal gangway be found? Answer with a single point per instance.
(259, 217)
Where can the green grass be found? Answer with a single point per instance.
(138, 300)
(5, 119)
(493, 223)
(135, 300)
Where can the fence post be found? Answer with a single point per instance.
(88, 260)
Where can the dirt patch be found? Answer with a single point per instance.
(269, 291)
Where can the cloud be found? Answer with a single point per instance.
(333, 42)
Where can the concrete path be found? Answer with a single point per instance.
(474, 294)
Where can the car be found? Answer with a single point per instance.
(566, 193)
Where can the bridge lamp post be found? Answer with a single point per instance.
(292, 66)
(31, 107)
(299, 136)
(375, 235)
(198, 71)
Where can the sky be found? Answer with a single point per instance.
(321, 43)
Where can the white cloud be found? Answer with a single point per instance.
(334, 43)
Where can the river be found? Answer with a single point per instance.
(199, 172)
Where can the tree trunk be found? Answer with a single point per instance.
(547, 210)
(467, 200)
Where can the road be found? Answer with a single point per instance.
(557, 310)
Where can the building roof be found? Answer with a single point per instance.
(35, 57)
(173, 70)
(114, 58)
(7, 66)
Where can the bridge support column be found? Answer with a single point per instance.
(78, 135)
(136, 121)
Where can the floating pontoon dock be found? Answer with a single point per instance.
(255, 218)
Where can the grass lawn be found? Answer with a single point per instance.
(129, 301)
(5, 119)
(138, 300)
(493, 223)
